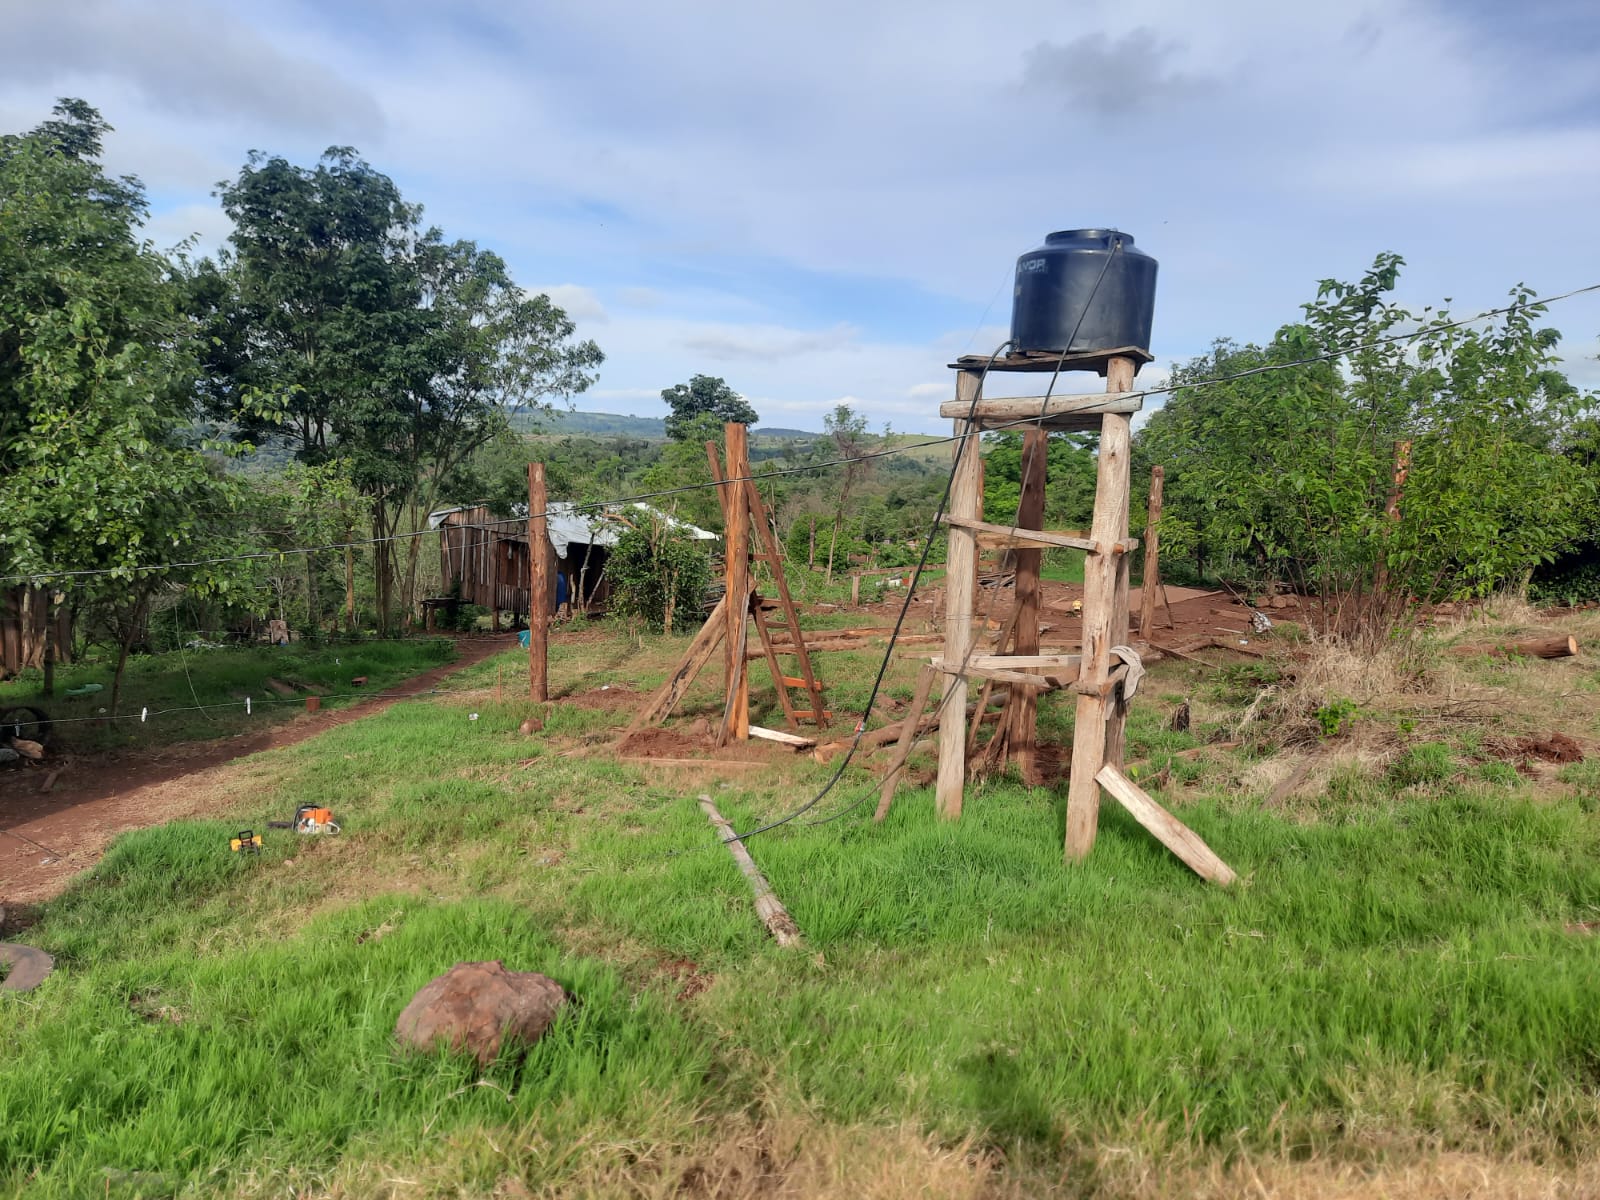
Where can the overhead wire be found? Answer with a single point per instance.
(42, 577)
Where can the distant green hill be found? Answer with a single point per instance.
(593, 424)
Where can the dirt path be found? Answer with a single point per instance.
(47, 838)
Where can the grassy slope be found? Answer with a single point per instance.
(172, 685)
(1394, 975)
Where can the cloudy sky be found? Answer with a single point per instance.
(824, 201)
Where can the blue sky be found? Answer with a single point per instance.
(823, 202)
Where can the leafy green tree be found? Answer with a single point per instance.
(659, 577)
(1415, 459)
(703, 396)
(98, 477)
(337, 319)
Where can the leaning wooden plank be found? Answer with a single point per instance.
(908, 737)
(770, 909)
(787, 739)
(699, 654)
(1166, 828)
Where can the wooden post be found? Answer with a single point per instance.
(1030, 515)
(538, 588)
(494, 587)
(961, 586)
(1150, 581)
(736, 543)
(1104, 576)
(855, 591)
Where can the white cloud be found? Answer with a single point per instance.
(578, 302)
(737, 343)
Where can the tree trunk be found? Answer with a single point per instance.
(313, 616)
(811, 549)
(350, 586)
(129, 632)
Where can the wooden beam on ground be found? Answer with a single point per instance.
(671, 692)
(1100, 577)
(539, 553)
(908, 737)
(1166, 828)
(768, 907)
(1560, 645)
(786, 739)
(1150, 579)
(961, 581)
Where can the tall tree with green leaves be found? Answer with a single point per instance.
(369, 337)
(703, 396)
(100, 484)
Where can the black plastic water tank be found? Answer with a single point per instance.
(1097, 270)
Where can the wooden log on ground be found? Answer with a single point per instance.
(1166, 828)
(1559, 645)
(770, 909)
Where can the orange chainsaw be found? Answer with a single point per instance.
(309, 818)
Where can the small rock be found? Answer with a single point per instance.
(531, 726)
(701, 728)
(477, 1006)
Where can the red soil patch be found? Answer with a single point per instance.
(607, 697)
(1550, 747)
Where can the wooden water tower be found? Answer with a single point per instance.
(1083, 302)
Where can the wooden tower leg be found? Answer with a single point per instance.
(1023, 711)
(961, 586)
(1104, 578)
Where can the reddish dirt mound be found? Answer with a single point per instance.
(1550, 747)
(607, 697)
(657, 742)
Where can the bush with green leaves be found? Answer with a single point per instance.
(1374, 456)
(654, 568)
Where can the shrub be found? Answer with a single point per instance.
(654, 568)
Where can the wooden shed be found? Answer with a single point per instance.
(488, 553)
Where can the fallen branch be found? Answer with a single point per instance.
(768, 907)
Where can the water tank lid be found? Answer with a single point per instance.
(1087, 235)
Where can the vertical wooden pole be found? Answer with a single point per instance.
(855, 591)
(538, 588)
(1024, 707)
(1104, 577)
(494, 589)
(1150, 581)
(736, 541)
(961, 587)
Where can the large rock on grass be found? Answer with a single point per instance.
(478, 1007)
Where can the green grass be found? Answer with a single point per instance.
(1399, 964)
(218, 680)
